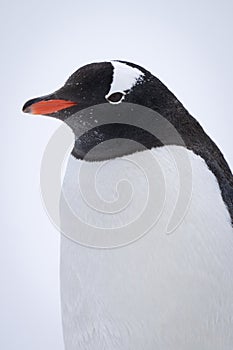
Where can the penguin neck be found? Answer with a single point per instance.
(113, 140)
(110, 141)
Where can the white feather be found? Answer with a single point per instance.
(163, 292)
(124, 77)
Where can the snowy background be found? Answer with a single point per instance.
(187, 44)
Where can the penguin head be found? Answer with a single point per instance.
(112, 85)
(111, 82)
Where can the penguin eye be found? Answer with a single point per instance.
(116, 97)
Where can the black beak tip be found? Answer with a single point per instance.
(26, 107)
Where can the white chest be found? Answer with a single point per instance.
(163, 291)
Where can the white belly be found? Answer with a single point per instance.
(163, 291)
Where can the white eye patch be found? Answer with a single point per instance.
(124, 78)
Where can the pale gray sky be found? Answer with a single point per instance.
(187, 44)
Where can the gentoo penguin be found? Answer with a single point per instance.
(165, 290)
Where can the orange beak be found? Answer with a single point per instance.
(40, 106)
